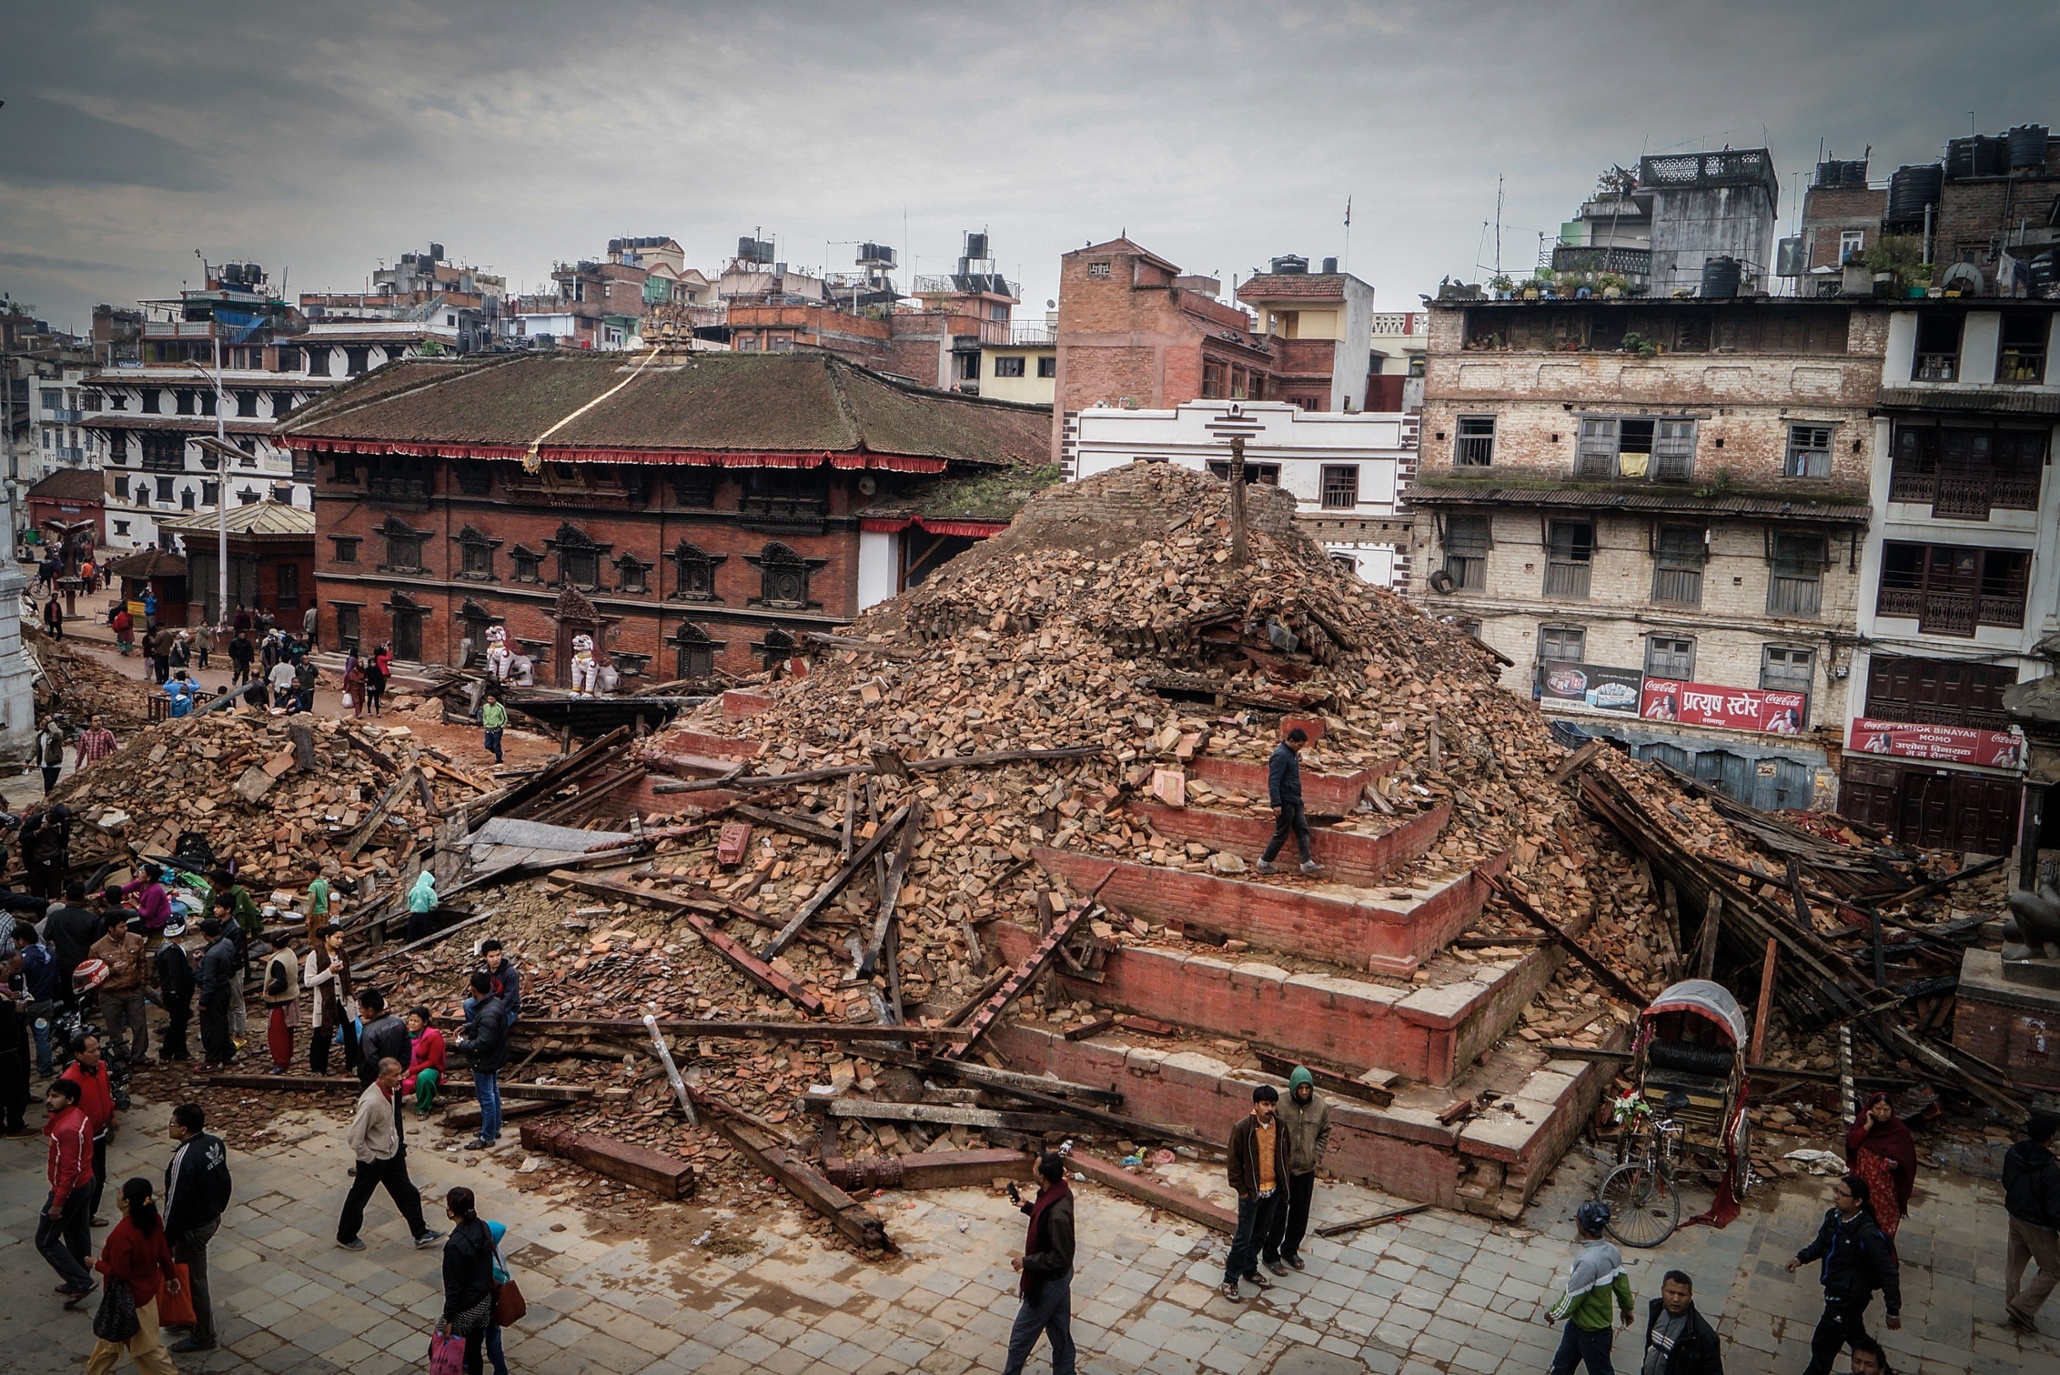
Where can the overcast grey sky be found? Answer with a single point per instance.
(321, 139)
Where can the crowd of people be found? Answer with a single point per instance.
(76, 987)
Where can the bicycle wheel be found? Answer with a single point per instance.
(1644, 1206)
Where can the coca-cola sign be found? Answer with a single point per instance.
(1989, 749)
(1705, 704)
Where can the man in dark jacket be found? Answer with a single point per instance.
(1678, 1340)
(384, 1036)
(175, 990)
(220, 967)
(2031, 1196)
(71, 927)
(1046, 1266)
(196, 1195)
(507, 979)
(1284, 795)
(1856, 1262)
(1258, 1172)
(485, 1042)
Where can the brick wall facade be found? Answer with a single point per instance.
(637, 513)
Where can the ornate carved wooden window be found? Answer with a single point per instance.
(528, 564)
(783, 576)
(632, 574)
(476, 554)
(403, 546)
(695, 652)
(694, 573)
(579, 557)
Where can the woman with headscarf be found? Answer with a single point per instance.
(1880, 1149)
(422, 906)
(354, 681)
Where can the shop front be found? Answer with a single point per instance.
(1943, 787)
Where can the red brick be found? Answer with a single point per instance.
(1351, 857)
(1325, 794)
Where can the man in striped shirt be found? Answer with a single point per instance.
(95, 744)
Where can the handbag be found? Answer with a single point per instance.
(176, 1310)
(509, 1305)
(115, 1320)
(446, 1354)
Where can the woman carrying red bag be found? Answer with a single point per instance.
(136, 1255)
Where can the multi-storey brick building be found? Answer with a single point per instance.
(692, 513)
(1134, 331)
(1656, 509)
(1958, 581)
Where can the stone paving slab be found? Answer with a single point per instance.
(1434, 1294)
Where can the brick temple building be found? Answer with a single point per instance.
(694, 513)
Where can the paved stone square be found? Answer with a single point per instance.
(1436, 1292)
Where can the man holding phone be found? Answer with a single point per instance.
(1046, 1266)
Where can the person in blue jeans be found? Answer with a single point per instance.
(45, 986)
(1597, 1276)
(497, 1230)
(485, 1042)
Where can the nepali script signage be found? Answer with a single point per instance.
(1592, 686)
(1704, 704)
(1988, 749)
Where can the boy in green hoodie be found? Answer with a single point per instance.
(1305, 1130)
(1597, 1274)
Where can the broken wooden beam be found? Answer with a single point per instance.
(771, 1152)
(1328, 1080)
(1613, 981)
(940, 1114)
(835, 883)
(464, 1117)
(721, 942)
(337, 1083)
(1575, 762)
(735, 1031)
(431, 939)
(1034, 964)
(377, 818)
(638, 1166)
(961, 761)
(1090, 1029)
(999, 1080)
(890, 882)
(929, 1169)
(1153, 1191)
(788, 822)
(1338, 1229)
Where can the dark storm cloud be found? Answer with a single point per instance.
(323, 138)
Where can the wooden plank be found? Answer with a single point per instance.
(337, 1083)
(769, 1151)
(639, 1166)
(1151, 1190)
(788, 822)
(1611, 980)
(1578, 760)
(364, 833)
(944, 1114)
(1766, 1005)
(549, 777)
(721, 942)
(431, 939)
(465, 1116)
(738, 1031)
(835, 884)
(999, 1080)
(1338, 1229)
(890, 888)
(964, 761)
(1035, 963)
(929, 1169)
(1094, 1028)
(1328, 1080)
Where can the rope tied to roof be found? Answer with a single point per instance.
(531, 463)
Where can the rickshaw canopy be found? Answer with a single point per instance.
(1706, 998)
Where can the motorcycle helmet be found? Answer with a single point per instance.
(89, 975)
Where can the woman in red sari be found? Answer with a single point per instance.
(1880, 1150)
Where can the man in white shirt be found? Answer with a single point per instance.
(375, 1139)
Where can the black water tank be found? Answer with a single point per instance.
(1289, 263)
(2027, 143)
(1911, 189)
(1978, 155)
(1330, 266)
(1842, 172)
(1719, 278)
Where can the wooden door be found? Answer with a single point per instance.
(407, 635)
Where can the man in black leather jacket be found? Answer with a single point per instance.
(1677, 1332)
(196, 1194)
(1856, 1262)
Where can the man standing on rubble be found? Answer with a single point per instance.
(1305, 1126)
(220, 968)
(1258, 1158)
(383, 1036)
(1598, 1274)
(1284, 793)
(485, 1043)
(1046, 1266)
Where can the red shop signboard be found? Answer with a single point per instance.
(1990, 749)
(1704, 704)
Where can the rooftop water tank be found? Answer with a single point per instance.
(1911, 189)
(1720, 278)
(2027, 144)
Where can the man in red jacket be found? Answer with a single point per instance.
(88, 1074)
(62, 1234)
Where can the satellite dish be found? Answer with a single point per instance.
(1051, 305)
